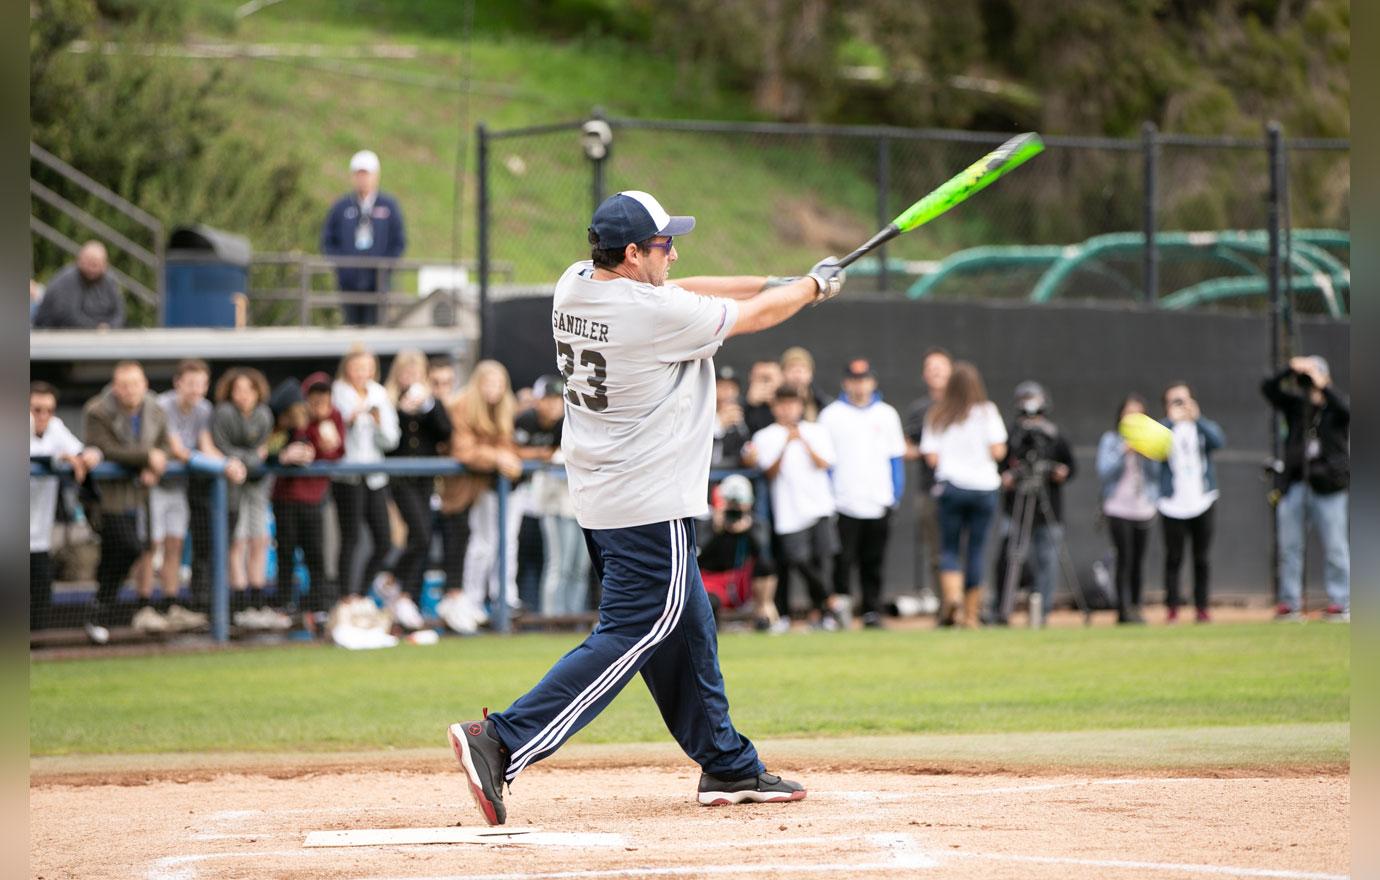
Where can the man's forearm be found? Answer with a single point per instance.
(774, 305)
(726, 286)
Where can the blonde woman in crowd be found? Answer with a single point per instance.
(424, 431)
(371, 429)
(482, 417)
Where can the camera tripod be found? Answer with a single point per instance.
(1031, 495)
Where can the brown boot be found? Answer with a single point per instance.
(951, 597)
(972, 608)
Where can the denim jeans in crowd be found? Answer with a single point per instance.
(1328, 515)
(565, 580)
(964, 511)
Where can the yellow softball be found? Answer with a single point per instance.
(1146, 436)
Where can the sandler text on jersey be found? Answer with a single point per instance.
(583, 327)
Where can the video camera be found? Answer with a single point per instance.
(1033, 441)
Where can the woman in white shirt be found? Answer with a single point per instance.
(371, 429)
(1188, 492)
(962, 441)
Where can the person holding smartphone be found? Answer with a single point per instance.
(1188, 493)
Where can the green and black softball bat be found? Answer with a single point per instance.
(957, 189)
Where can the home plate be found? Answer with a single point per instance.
(411, 836)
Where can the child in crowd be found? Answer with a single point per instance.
(312, 431)
(796, 456)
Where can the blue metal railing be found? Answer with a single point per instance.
(436, 466)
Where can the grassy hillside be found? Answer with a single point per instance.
(765, 204)
(412, 111)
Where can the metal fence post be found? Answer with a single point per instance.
(482, 209)
(500, 612)
(1273, 148)
(883, 215)
(1150, 158)
(220, 546)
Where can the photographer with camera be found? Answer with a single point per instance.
(1313, 482)
(1188, 491)
(732, 565)
(1038, 463)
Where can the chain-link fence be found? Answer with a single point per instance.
(1178, 221)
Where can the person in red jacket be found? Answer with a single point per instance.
(299, 502)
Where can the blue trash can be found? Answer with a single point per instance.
(205, 269)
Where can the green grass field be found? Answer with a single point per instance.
(993, 682)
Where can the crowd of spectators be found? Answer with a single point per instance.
(834, 471)
(154, 526)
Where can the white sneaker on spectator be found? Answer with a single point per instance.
(148, 621)
(779, 626)
(98, 634)
(247, 619)
(185, 620)
(406, 612)
(454, 612)
(271, 618)
(475, 610)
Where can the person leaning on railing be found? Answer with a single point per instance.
(127, 425)
(310, 431)
(49, 439)
(424, 431)
(240, 427)
(371, 429)
(482, 440)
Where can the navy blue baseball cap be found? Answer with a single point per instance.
(631, 216)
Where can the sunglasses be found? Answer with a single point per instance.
(661, 245)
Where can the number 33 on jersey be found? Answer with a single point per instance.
(637, 361)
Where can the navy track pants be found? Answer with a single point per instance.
(654, 617)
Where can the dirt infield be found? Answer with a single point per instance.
(602, 815)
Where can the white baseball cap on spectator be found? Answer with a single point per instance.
(365, 160)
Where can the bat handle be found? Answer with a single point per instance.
(887, 234)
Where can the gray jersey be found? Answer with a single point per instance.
(639, 403)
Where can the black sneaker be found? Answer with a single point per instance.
(484, 760)
(763, 788)
(872, 620)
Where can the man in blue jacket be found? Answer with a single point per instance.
(364, 223)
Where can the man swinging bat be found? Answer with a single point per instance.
(636, 351)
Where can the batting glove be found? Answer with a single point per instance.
(828, 277)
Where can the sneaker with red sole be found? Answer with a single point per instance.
(1336, 614)
(1202, 616)
(1286, 614)
(485, 761)
(764, 788)
(1172, 616)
